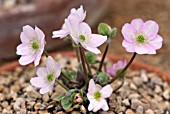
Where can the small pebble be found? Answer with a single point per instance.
(129, 111)
(126, 102)
(149, 111)
(139, 110)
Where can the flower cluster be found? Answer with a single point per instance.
(89, 87)
(80, 32)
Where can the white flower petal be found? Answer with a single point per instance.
(137, 24)
(80, 12)
(29, 31)
(24, 38)
(40, 33)
(92, 49)
(150, 28)
(46, 89)
(105, 106)
(52, 66)
(129, 46)
(24, 49)
(39, 82)
(97, 107)
(156, 43)
(128, 32)
(38, 57)
(26, 59)
(60, 33)
(141, 49)
(151, 50)
(84, 28)
(106, 91)
(92, 105)
(92, 87)
(96, 40)
(42, 72)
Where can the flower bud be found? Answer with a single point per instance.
(104, 29)
(77, 98)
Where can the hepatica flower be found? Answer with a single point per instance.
(141, 37)
(116, 68)
(64, 31)
(81, 34)
(32, 45)
(47, 76)
(97, 96)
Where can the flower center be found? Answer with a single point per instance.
(50, 77)
(97, 95)
(82, 38)
(35, 45)
(140, 39)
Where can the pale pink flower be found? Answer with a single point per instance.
(81, 34)
(81, 14)
(32, 45)
(141, 37)
(47, 75)
(116, 67)
(97, 96)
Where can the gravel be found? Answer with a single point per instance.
(143, 93)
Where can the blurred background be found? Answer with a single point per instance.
(49, 15)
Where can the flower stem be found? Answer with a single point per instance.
(122, 79)
(125, 68)
(62, 85)
(45, 53)
(104, 55)
(122, 71)
(77, 54)
(84, 67)
(87, 63)
(68, 79)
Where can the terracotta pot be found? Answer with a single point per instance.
(136, 65)
(49, 15)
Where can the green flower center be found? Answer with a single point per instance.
(50, 77)
(140, 39)
(97, 95)
(35, 45)
(82, 38)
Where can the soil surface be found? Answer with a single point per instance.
(142, 93)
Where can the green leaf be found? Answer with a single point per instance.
(104, 29)
(118, 71)
(71, 74)
(113, 32)
(58, 98)
(66, 103)
(81, 92)
(91, 57)
(72, 97)
(76, 106)
(102, 77)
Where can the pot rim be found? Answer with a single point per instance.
(136, 65)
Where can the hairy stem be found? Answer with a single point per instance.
(45, 53)
(84, 66)
(122, 71)
(117, 88)
(87, 63)
(77, 54)
(62, 85)
(104, 55)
